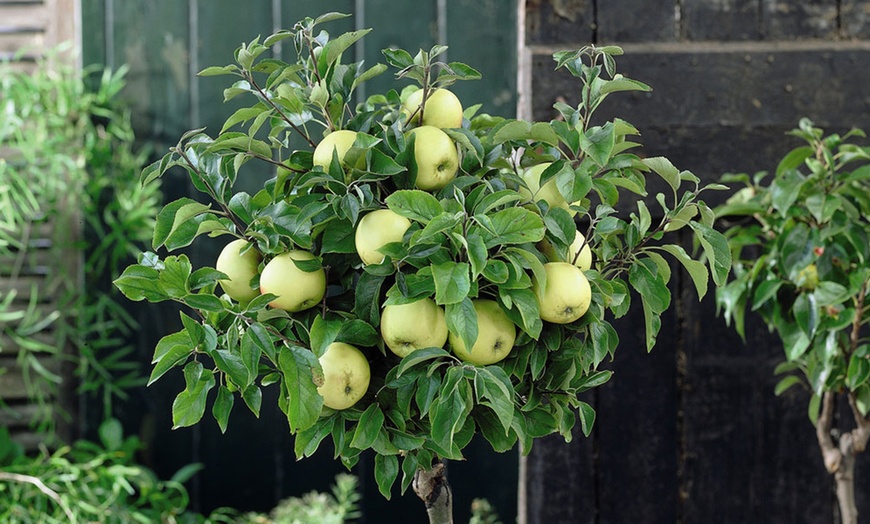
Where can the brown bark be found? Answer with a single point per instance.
(432, 488)
(840, 458)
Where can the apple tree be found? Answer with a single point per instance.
(801, 244)
(414, 271)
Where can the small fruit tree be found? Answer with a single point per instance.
(413, 272)
(801, 242)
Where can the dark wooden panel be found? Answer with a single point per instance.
(720, 19)
(636, 438)
(94, 31)
(749, 456)
(700, 85)
(471, 23)
(407, 25)
(636, 21)
(855, 19)
(152, 40)
(560, 480)
(785, 19)
(557, 21)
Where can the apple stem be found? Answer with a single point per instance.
(433, 489)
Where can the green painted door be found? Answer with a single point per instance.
(165, 43)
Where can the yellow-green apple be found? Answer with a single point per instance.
(579, 253)
(377, 229)
(296, 289)
(339, 141)
(548, 193)
(442, 108)
(416, 325)
(436, 157)
(346, 375)
(566, 295)
(240, 267)
(495, 335)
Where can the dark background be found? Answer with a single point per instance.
(689, 433)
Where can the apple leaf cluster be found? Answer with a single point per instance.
(801, 244)
(444, 223)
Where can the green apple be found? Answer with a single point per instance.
(346, 375)
(495, 335)
(339, 141)
(567, 295)
(296, 289)
(408, 327)
(548, 193)
(240, 267)
(436, 157)
(579, 253)
(442, 109)
(377, 229)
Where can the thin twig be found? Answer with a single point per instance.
(28, 479)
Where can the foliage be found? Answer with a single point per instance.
(337, 507)
(802, 261)
(69, 153)
(91, 482)
(478, 237)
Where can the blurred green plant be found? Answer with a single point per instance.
(93, 482)
(336, 507)
(67, 158)
(801, 251)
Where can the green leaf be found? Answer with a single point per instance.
(665, 169)
(716, 249)
(587, 418)
(784, 384)
(452, 282)
(515, 225)
(697, 270)
(189, 406)
(462, 321)
(414, 204)
(370, 424)
(806, 313)
(222, 407)
(386, 471)
(598, 144)
(139, 283)
(498, 392)
(858, 372)
(232, 365)
(304, 403)
(173, 351)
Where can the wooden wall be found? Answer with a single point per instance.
(28, 28)
(692, 432)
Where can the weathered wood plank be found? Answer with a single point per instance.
(560, 481)
(749, 456)
(15, 17)
(496, 61)
(636, 435)
(30, 42)
(855, 19)
(555, 21)
(407, 25)
(720, 20)
(633, 21)
(787, 20)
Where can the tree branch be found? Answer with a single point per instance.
(432, 488)
(830, 454)
(40, 485)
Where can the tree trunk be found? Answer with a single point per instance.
(840, 459)
(432, 488)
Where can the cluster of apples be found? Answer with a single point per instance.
(422, 323)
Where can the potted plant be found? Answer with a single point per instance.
(413, 271)
(802, 263)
